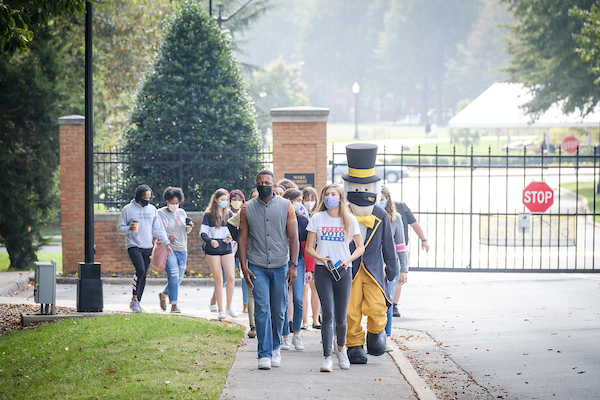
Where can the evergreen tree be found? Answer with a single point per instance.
(31, 101)
(192, 106)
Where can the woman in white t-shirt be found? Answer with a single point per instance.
(332, 227)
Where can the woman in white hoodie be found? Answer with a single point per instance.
(139, 222)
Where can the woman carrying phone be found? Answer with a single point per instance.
(331, 228)
(217, 246)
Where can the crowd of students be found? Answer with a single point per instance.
(321, 227)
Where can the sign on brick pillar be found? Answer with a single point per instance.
(300, 145)
(72, 190)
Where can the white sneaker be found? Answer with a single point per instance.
(388, 346)
(297, 342)
(343, 361)
(222, 315)
(327, 365)
(264, 363)
(232, 312)
(276, 358)
(285, 343)
(214, 308)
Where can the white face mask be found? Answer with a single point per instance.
(309, 205)
(172, 207)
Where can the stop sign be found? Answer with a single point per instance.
(538, 197)
(570, 144)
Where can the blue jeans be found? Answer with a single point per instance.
(244, 287)
(297, 294)
(270, 300)
(175, 268)
(392, 290)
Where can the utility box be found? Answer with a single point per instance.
(44, 291)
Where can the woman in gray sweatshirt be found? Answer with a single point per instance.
(139, 222)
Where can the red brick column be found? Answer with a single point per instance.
(72, 190)
(300, 142)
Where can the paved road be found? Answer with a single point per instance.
(521, 336)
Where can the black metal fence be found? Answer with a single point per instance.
(118, 173)
(469, 207)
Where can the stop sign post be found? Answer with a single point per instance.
(538, 197)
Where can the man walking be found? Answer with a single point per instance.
(268, 235)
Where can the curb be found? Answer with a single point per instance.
(418, 385)
(203, 282)
(16, 285)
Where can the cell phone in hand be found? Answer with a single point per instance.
(334, 269)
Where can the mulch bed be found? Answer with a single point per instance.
(10, 316)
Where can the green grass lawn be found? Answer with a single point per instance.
(586, 189)
(47, 257)
(119, 357)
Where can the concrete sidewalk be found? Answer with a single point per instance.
(298, 376)
(389, 376)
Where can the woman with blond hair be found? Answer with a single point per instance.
(331, 228)
(218, 249)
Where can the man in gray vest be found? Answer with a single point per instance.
(268, 235)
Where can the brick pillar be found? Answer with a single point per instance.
(72, 190)
(300, 144)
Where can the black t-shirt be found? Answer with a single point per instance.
(407, 217)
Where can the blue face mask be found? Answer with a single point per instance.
(223, 204)
(331, 202)
(381, 204)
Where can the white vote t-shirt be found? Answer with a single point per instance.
(331, 235)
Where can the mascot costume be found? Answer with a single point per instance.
(369, 294)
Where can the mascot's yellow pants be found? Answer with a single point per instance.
(366, 298)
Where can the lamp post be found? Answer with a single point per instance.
(355, 90)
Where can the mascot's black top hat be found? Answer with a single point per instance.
(361, 163)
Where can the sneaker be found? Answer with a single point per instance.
(222, 315)
(297, 342)
(214, 308)
(175, 310)
(135, 306)
(252, 333)
(285, 343)
(264, 363)
(163, 301)
(343, 361)
(388, 347)
(327, 365)
(395, 311)
(276, 358)
(232, 312)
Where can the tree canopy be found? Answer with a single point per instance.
(19, 20)
(544, 54)
(194, 100)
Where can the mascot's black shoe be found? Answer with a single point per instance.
(357, 355)
(375, 343)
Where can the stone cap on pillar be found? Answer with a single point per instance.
(72, 120)
(299, 114)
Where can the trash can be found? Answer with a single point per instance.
(89, 288)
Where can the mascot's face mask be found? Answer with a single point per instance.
(362, 197)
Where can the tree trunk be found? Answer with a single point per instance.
(21, 253)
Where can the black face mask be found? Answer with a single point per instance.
(144, 202)
(362, 199)
(264, 191)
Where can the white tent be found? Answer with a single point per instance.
(500, 106)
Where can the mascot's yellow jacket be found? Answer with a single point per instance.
(379, 248)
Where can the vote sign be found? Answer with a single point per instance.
(570, 145)
(538, 197)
